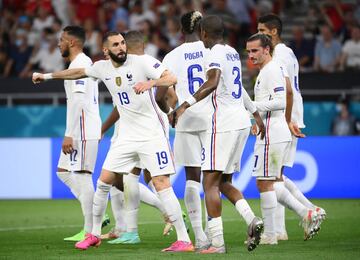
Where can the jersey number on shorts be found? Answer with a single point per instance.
(124, 98)
(237, 81)
(192, 79)
(73, 156)
(162, 159)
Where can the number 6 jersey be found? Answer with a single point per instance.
(187, 63)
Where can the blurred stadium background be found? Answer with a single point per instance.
(324, 35)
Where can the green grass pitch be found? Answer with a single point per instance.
(34, 229)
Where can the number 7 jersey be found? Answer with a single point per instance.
(227, 105)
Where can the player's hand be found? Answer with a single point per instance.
(295, 130)
(254, 129)
(174, 115)
(141, 87)
(37, 77)
(67, 145)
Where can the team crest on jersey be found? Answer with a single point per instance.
(118, 81)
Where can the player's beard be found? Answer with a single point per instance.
(117, 59)
(66, 53)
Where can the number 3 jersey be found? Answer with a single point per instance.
(187, 63)
(140, 118)
(227, 106)
(83, 120)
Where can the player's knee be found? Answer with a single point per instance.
(102, 186)
(161, 182)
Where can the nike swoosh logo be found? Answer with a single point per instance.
(107, 78)
(162, 167)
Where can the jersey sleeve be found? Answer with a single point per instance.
(153, 68)
(276, 86)
(249, 105)
(94, 70)
(213, 60)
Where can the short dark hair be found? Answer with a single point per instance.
(76, 31)
(109, 34)
(134, 37)
(272, 21)
(213, 25)
(265, 41)
(190, 21)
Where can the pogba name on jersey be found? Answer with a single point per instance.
(193, 55)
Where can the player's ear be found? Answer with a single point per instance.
(273, 31)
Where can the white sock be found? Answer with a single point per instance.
(86, 198)
(245, 211)
(280, 216)
(68, 179)
(297, 193)
(150, 198)
(152, 187)
(268, 202)
(99, 205)
(285, 198)
(193, 205)
(117, 206)
(132, 201)
(216, 232)
(173, 210)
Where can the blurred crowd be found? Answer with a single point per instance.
(328, 40)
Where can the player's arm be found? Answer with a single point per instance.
(213, 78)
(166, 79)
(277, 88)
(110, 121)
(160, 98)
(171, 97)
(64, 74)
(249, 105)
(289, 100)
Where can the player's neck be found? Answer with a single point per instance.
(191, 38)
(266, 61)
(74, 53)
(276, 41)
(213, 42)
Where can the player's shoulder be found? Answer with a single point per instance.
(272, 67)
(282, 50)
(81, 60)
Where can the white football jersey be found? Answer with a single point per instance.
(227, 104)
(286, 58)
(270, 101)
(187, 63)
(140, 118)
(83, 120)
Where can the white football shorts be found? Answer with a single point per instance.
(189, 148)
(83, 158)
(268, 160)
(223, 151)
(291, 152)
(154, 155)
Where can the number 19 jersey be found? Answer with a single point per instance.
(140, 118)
(187, 63)
(227, 105)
